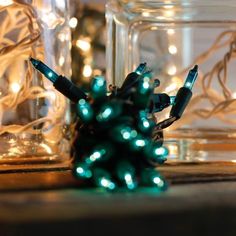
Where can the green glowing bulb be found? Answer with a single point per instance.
(105, 114)
(100, 153)
(129, 181)
(191, 78)
(107, 183)
(138, 143)
(155, 153)
(144, 89)
(123, 133)
(145, 125)
(109, 111)
(82, 171)
(45, 70)
(98, 87)
(159, 155)
(103, 179)
(84, 111)
(126, 174)
(161, 151)
(151, 177)
(158, 181)
(145, 85)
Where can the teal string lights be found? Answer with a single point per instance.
(118, 144)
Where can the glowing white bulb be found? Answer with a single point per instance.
(6, 2)
(172, 49)
(169, 13)
(234, 95)
(146, 14)
(83, 44)
(60, 4)
(61, 60)
(170, 31)
(73, 22)
(87, 71)
(172, 70)
(15, 87)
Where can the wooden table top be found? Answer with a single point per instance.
(51, 203)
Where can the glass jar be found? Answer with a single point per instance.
(173, 36)
(33, 115)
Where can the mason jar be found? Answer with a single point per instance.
(34, 117)
(173, 36)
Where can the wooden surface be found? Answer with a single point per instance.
(191, 209)
(61, 208)
(54, 176)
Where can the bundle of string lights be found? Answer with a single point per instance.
(21, 87)
(116, 136)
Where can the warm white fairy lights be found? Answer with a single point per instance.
(15, 87)
(172, 49)
(15, 65)
(73, 22)
(213, 85)
(83, 44)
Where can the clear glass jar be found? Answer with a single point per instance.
(33, 115)
(172, 36)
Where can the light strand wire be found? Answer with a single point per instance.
(221, 103)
